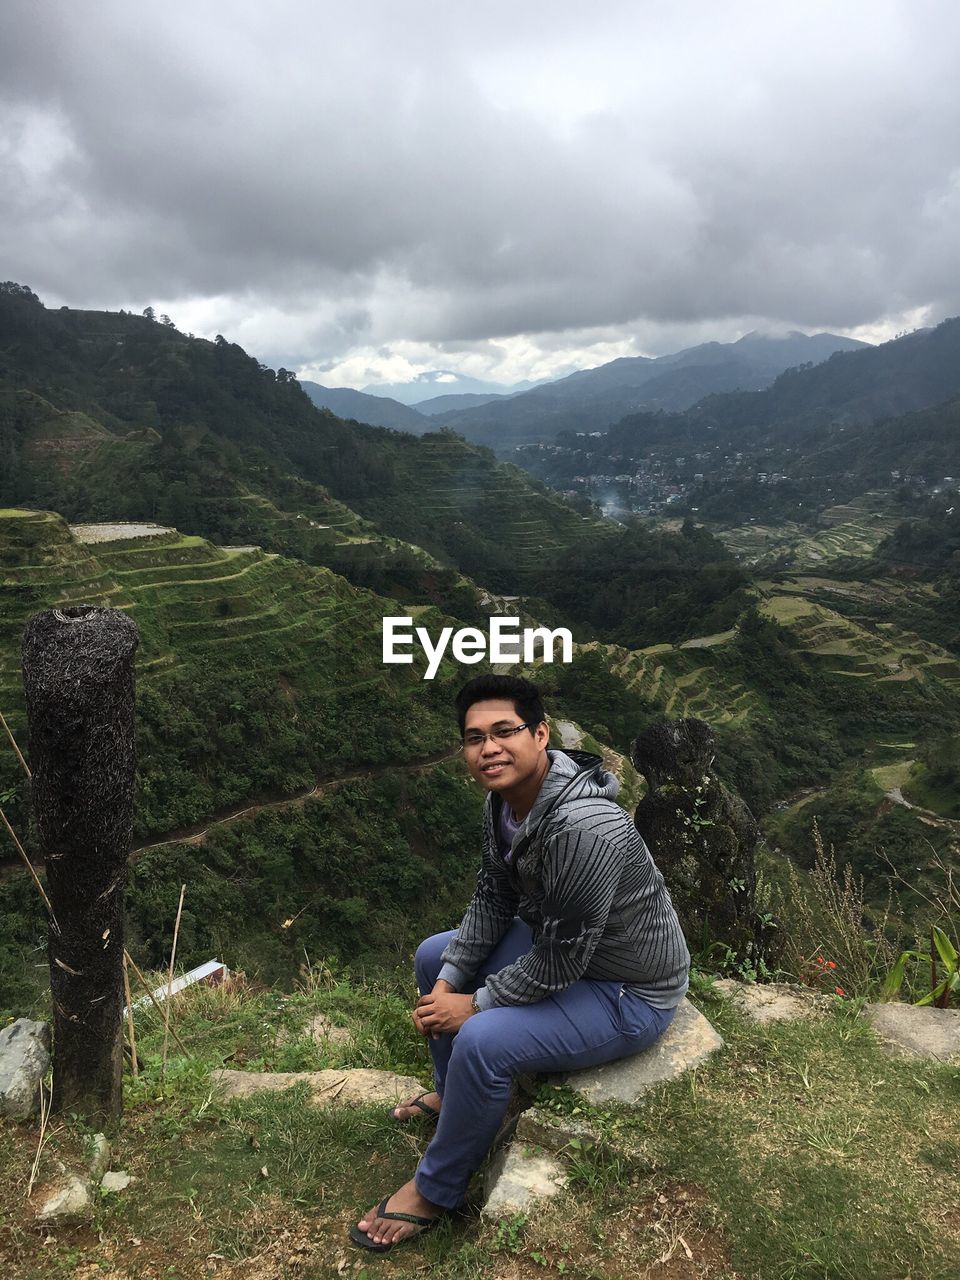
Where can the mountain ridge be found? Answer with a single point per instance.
(377, 411)
(590, 399)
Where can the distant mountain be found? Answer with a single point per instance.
(449, 404)
(443, 382)
(852, 388)
(110, 415)
(593, 399)
(861, 420)
(378, 411)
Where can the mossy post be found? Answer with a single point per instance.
(78, 680)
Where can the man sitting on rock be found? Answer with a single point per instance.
(570, 953)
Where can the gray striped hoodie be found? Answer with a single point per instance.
(583, 879)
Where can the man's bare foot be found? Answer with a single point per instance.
(423, 1104)
(407, 1200)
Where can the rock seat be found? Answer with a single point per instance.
(686, 1043)
(517, 1176)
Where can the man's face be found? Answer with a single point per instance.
(503, 764)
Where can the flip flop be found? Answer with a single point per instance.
(419, 1104)
(361, 1237)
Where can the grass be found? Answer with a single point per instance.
(798, 1151)
(889, 776)
(940, 798)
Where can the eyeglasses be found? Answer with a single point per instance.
(476, 739)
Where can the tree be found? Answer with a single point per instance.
(149, 314)
(22, 291)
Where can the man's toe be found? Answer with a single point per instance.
(369, 1222)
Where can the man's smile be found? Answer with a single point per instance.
(494, 769)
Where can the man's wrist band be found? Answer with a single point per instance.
(473, 1003)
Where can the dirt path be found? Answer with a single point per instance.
(198, 833)
(924, 815)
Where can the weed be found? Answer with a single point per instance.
(596, 1167)
(509, 1234)
(828, 913)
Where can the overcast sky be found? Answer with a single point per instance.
(508, 189)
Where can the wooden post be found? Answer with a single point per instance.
(79, 685)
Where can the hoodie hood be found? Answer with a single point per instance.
(573, 775)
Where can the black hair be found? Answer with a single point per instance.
(524, 695)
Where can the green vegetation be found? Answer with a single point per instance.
(257, 673)
(750, 1163)
(200, 436)
(287, 534)
(641, 586)
(588, 692)
(396, 847)
(933, 781)
(258, 677)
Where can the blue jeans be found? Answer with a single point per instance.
(585, 1024)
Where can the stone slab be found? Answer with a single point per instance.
(773, 1001)
(516, 1179)
(116, 1180)
(354, 1087)
(98, 1156)
(543, 1128)
(65, 1201)
(687, 1042)
(906, 1031)
(24, 1061)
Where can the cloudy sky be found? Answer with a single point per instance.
(370, 190)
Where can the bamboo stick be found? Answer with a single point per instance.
(13, 743)
(169, 1000)
(29, 865)
(129, 999)
(153, 1000)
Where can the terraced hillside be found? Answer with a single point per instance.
(867, 686)
(848, 533)
(184, 431)
(192, 486)
(855, 649)
(696, 678)
(684, 680)
(258, 678)
(270, 669)
(490, 518)
(42, 566)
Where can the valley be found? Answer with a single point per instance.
(286, 771)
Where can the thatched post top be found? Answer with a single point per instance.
(76, 645)
(93, 620)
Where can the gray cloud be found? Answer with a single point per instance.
(336, 182)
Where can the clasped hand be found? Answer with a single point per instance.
(441, 1013)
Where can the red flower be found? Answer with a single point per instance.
(819, 959)
(831, 964)
(839, 990)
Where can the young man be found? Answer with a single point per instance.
(570, 953)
